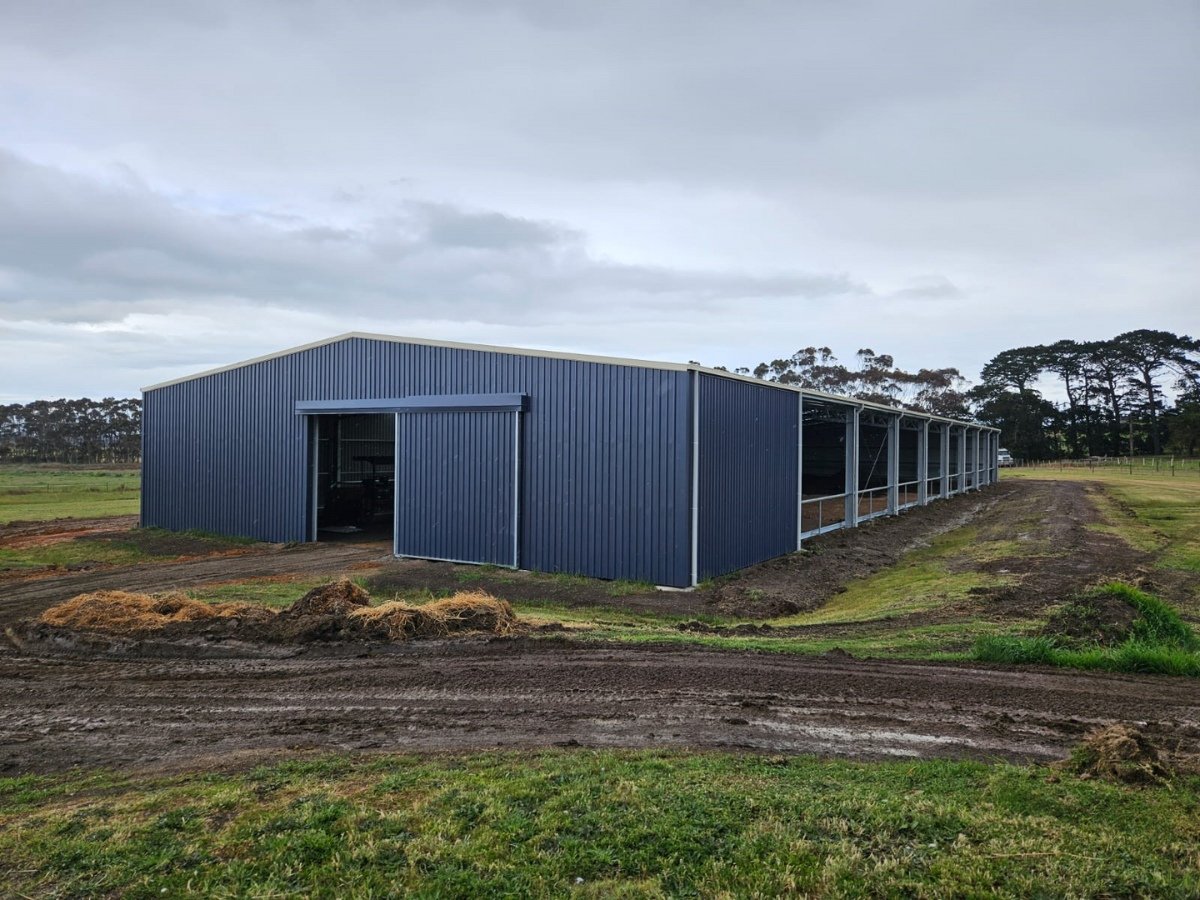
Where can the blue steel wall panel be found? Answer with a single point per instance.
(605, 449)
(455, 486)
(748, 474)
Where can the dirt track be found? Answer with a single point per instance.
(525, 693)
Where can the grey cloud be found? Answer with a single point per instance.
(934, 287)
(708, 179)
(84, 246)
(448, 226)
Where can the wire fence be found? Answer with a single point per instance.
(1134, 465)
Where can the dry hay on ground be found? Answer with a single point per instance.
(1118, 753)
(122, 613)
(464, 612)
(338, 611)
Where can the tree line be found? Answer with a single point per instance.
(1118, 396)
(876, 379)
(72, 431)
(1118, 392)
(1136, 393)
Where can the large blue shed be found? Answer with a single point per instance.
(613, 468)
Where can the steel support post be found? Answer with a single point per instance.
(923, 464)
(799, 469)
(852, 468)
(893, 466)
(944, 461)
(978, 458)
(962, 460)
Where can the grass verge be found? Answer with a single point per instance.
(599, 824)
(922, 580)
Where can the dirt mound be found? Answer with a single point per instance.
(751, 603)
(464, 612)
(338, 598)
(321, 614)
(122, 613)
(1118, 753)
(1099, 619)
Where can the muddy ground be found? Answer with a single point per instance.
(180, 707)
(482, 694)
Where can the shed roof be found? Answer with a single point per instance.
(578, 357)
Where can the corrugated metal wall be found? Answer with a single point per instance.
(455, 486)
(748, 474)
(605, 449)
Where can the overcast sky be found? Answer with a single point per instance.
(183, 185)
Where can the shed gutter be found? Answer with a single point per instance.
(418, 403)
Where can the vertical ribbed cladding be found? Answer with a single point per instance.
(604, 472)
(748, 477)
(225, 454)
(456, 484)
(604, 477)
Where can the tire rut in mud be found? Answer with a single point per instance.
(520, 693)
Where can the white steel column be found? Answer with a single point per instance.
(944, 461)
(852, 468)
(695, 478)
(893, 466)
(978, 457)
(516, 518)
(962, 461)
(799, 469)
(923, 464)
(396, 488)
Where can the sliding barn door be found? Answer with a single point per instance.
(457, 483)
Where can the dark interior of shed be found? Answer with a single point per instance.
(824, 470)
(355, 476)
(910, 456)
(955, 442)
(872, 451)
(824, 464)
(935, 460)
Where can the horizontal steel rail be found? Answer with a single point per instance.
(839, 505)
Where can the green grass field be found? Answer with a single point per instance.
(124, 547)
(598, 824)
(37, 493)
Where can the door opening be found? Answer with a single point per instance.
(353, 462)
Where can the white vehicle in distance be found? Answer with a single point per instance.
(1004, 458)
